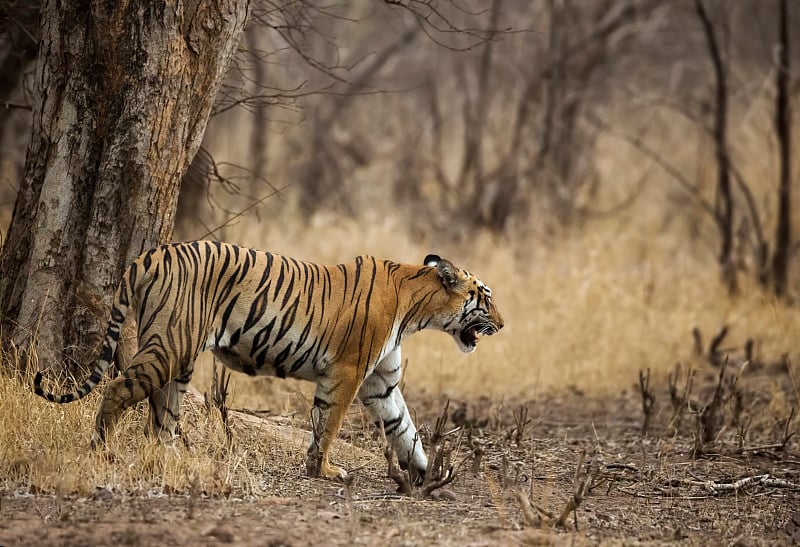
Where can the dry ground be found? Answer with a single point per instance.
(646, 489)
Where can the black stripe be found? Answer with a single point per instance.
(391, 425)
(383, 395)
(288, 320)
(262, 337)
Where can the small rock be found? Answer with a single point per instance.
(221, 533)
(443, 495)
(102, 494)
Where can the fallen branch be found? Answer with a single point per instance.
(271, 428)
(718, 488)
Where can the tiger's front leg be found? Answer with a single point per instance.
(381, 394)
(331, 400)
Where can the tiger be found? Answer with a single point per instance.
(261, 313)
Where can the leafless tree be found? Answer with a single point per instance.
(724, 207)
(783, 130)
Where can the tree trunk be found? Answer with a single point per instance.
(258, 135)
(783, 129)
(724, 207)
(124, 91)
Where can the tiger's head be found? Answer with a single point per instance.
(464, 305)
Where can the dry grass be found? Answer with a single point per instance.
(45, 448)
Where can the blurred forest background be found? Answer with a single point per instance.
(617, 171)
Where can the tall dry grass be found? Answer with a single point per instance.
(45, 448)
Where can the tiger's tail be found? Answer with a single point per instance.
(119, 310)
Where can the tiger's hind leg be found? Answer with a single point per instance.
(136, 383)
(381, 394)
(165, 408)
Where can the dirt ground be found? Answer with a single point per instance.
(743, 490)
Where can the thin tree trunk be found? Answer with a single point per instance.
(124, 91)
(724, 213)
(258, 137)
(783, 130)
(19, 37)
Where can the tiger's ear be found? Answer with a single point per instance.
(431, 260)
(445, 269)
(447, 273)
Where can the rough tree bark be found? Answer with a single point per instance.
(18, 43)
(123, 94)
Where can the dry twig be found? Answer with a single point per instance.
(648, 400)
(719, 487)
(679, 399)
(440, 471)
(521, 423)
(582, 482)
(787, 436)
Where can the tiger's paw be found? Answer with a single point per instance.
(330, 471)
(317, 467)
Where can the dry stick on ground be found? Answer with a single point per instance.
(542, 515)
(717, 488)
(582, 482)
(521, 423)
(275, 427)
(440, 472)
(399, 476)
(709, 420)
(698, 341)
(477, 458)
(787, 435)
(679, 400)
(648, 400)
(715, 356)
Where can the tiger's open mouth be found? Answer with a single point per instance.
(470, 334)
